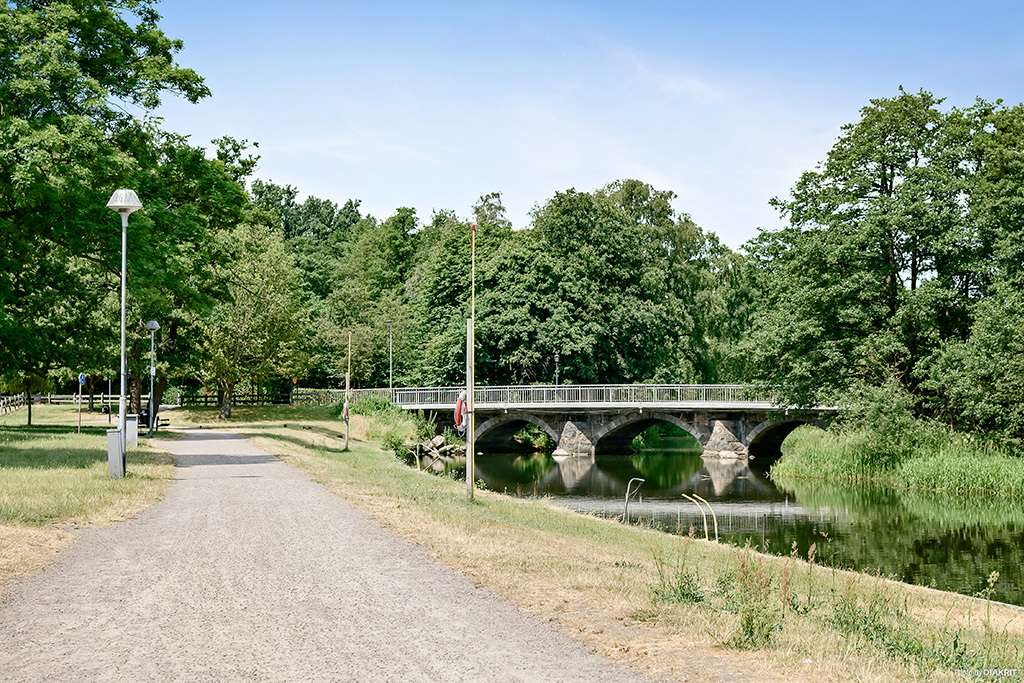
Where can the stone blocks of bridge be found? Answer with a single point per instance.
(727, 435)
(720, 435)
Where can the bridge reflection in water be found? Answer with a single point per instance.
(742, 497)
(927, 539)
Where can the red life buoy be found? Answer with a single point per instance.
(459, 406)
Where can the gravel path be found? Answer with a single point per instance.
(248, 570)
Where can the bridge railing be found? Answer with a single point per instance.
(574, 393)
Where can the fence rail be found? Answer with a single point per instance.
(211, 400)
(8, 404)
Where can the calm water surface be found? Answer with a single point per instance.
(932, 540)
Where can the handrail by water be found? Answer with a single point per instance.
(702, 514)
(713, 515)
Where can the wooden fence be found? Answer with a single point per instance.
(8, 404)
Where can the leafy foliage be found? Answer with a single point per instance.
(902, 269)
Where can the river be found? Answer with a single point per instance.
(945, 542)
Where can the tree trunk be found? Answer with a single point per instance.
(225, 403)
(92, 393)
(28, 402)
(135, 400)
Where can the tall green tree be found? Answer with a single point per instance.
(257, 332)
(66, 71)
(889, 252)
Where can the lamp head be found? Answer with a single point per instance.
(124, 201)
(152, 326)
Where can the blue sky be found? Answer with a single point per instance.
(432, 105)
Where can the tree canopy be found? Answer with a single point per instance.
(901, 264)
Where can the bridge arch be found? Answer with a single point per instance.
(496, 433)
(765, 440)
(618, 435)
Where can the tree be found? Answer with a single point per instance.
(976, 380)
(616, 282)
(900, 265)
(257, 332)
(879, 267)
(66, 71)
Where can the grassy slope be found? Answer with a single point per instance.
(597, 580)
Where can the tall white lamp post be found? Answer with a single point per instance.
(152, 326)
(124, 202)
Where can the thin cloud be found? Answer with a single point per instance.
(664, 78)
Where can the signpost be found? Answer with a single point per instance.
(348, 377)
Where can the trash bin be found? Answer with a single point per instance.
(144, 419)
(132, 428)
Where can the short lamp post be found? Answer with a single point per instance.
(152, 326)
(124, 202)
(556, 369)
(391, 362)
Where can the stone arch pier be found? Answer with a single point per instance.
(733, 434)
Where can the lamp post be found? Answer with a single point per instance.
(556, 369)
(124, 202)
(391, 363)
(152, 326)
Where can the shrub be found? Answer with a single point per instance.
(759, 616)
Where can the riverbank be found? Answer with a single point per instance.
(934, 460)
(674, 607)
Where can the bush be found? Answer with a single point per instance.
(535, 437)
(395, 443)
(371, 406)
(426, 426)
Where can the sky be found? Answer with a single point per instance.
(432, 105)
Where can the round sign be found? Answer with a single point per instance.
(81, 378)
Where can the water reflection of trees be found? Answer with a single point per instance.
(665, 470)
(948, 542)
(533, 467)
(940, 540)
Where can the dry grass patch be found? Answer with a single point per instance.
(26, 549)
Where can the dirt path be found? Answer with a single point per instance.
(249, 570)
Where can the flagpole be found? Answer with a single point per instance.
(470, 371)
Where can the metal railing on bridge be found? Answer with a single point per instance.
(582, 394)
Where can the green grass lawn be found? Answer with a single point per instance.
(52, 474)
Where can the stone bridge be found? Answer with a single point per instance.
(728, 420)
